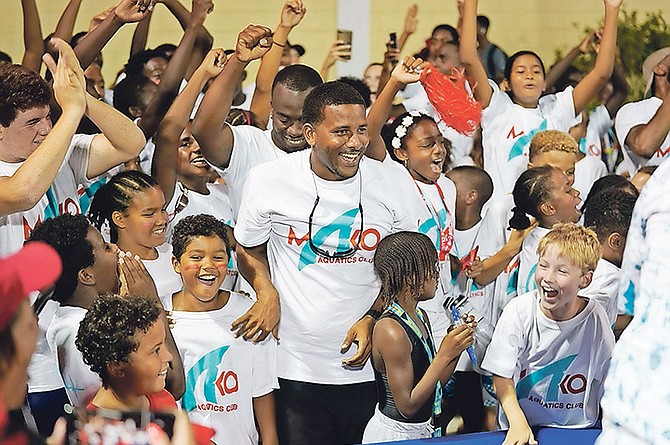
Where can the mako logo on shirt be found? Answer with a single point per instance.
(347, 237)
(225, 382)
(560, 381)
(52, 209)
(524, 140)
(431, 225)
(662, 152)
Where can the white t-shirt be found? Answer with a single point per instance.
(600, 123)
(251, 147)
(461, 145)
(223, 373)
(604, 288)
(558, 367)
(43, 372)
(528, 260)
(61, 197)
(507, 129)
(587, 171)
(639, 113)
(321, 298)
(167, 281)
(217, 204)
(81, 383)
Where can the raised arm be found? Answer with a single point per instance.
(174, 73)
(128, 11)
(469, 55)
(646, 139)
(203, 41)
(557, 71)
(140, 36)
(209, 126)
(620, 90)
(263, 317)
(167, 139)
(24, 189)
(593, 82)
(404, 73)
(32, 36)
(411, 22)
(65, 25)
(291, 15)
(338, 51)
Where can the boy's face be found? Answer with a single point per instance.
(105, 266)
(147, 367)
(203, 267)
(22, 137)
(561, 160)
(558, 282)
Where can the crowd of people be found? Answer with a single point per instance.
(458, 241)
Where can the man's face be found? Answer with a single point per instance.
(286, 118)
(338, 142)
(20, 139)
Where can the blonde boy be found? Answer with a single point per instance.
(551, 348)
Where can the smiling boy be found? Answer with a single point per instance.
(551, 349)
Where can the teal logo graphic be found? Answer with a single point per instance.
(207, 364)
(555, 370)
(530, 281)
(523, 141)
(342, 225)
(427, 226)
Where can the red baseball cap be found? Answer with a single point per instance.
(33, 268)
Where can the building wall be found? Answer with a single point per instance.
(541, 25)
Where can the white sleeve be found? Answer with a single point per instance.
(629, 116)
(498, 103)
(78, 155)
(253, 224)
(508, 340)
(264, 367)
(563, 109)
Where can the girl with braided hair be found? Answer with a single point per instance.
(409, 371)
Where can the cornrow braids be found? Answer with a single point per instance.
(531, 189)
(404, 261)
(117, 196)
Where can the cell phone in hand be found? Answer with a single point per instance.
(345, 35)
(115, 427)
(393, 39)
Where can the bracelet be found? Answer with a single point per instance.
(279, 44)
(375, 314)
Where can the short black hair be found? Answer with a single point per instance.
(476, 178)
(137, 61)
(328, 94)
(4, 57)
(108, 332)
(360, 86)
(610, 211)
(450, 29)
(127, 93)
(67, 235)
(610, 182)
(194, 226)
(297, 78)
(483, 21)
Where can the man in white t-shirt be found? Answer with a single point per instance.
(233, 151)
(307, 231)
(643, 127)
(42, 167)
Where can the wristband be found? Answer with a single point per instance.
(375, 314)
(279, 44)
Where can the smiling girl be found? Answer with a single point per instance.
(511, 118)
(132, 206)
(546, 194)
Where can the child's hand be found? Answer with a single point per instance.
(456, 341)
(69, 84)
(134, 278)
(520, 435)
(253, 42)
(292, 13)
(475, 268)
(409, 70)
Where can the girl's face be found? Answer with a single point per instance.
(145, 221)
(191, 162)
(527, 80)
(564, 199)
(147, 367)
(423, 151)
(203, 267)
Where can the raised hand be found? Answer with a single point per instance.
(411, 21)
(292, 13)
(99, 18)
(134, 278)
(409, 70)
(613, 3)
(69, 84)
(129, 11)
(213, 63)
(253, 42)
(199, 11)
(338, 51)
